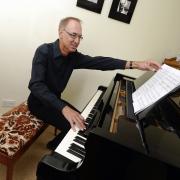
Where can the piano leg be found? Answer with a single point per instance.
(47, 172)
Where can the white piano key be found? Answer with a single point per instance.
(69, 138)
(91, 104)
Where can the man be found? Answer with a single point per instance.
(52, 66)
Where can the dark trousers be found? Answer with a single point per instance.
(49, 115)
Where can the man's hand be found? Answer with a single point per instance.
(144, 65)
(148, 65)
(74, 118)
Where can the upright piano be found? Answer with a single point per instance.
(118, 144)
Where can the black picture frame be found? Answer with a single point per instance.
(91, 5)
(122, 10)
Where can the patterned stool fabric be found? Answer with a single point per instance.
(16, 128)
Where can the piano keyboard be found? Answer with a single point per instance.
(72, 145)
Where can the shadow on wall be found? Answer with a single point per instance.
(75, 87)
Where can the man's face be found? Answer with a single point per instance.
(70, 36)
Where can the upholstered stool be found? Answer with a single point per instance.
(18, 130)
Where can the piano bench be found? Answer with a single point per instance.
(18, 130)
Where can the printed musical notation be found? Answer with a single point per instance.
(160, 84)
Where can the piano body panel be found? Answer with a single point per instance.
(109, 155)
(164, 146)
(121, 153)
(163, 143)
(114, 160)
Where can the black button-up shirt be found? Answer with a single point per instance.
(51, 72)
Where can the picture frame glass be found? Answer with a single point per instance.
(122, 10)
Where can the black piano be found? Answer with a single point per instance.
(118, 144)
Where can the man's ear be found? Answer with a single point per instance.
(60, 34)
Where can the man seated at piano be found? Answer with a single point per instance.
(52, 66)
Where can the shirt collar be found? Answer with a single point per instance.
(56, 50)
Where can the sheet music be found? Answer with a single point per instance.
(161, 83)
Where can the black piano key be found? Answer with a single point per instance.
(88, 120)
(77, 148)
(78, 151)
(86, 123)
(87, 127)
(79, 140)
(93, 111)
(81, 133)
(75, 153)
(90, 116)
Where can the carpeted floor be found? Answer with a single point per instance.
(25, 167)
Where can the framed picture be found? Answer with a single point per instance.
(92, 5)
(122, 10)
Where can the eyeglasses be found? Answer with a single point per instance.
(74, 35)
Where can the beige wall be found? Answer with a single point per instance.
(152, 34)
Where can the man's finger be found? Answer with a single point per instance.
(72, 125)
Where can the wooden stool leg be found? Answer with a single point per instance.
(55, 131)
(9, 171)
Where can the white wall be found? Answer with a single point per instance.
(152, 34)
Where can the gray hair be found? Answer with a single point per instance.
(63, 23)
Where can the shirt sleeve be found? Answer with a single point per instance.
(99, 63)
(37, 84)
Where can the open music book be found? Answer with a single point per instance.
(159, 85)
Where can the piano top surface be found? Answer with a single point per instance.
(163, 144)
